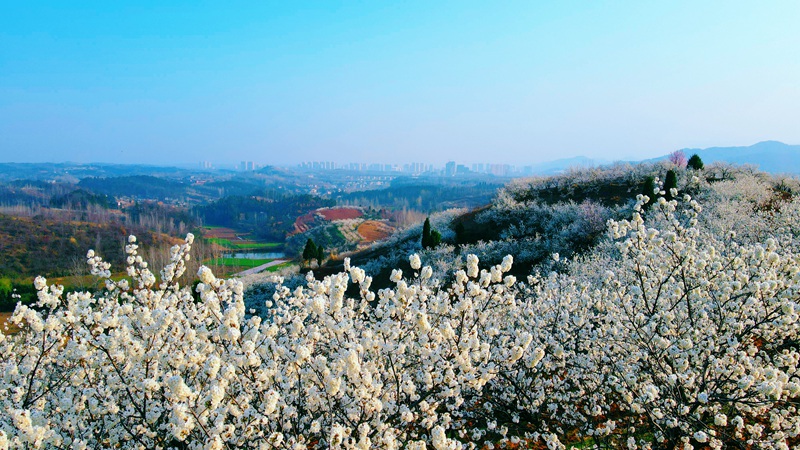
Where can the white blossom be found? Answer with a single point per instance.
(415, 261)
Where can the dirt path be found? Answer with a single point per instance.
(260, 268)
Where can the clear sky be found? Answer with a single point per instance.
(280, 82)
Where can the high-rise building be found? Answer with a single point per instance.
(450, 168)
(414, 167)
(500, 170)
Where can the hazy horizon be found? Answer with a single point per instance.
(518, 82)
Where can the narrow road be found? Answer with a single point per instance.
(261, 267)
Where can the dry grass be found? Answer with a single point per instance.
(12, 329)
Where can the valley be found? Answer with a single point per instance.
(245, 222)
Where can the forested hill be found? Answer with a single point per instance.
(432, 195)
(267, 218)
(139, 186)
(40, 246)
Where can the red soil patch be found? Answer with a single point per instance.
(339, 213)
(372, 230)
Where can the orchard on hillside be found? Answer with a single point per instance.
(680, 329)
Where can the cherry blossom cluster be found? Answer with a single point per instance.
(143, 364)
(682, 338)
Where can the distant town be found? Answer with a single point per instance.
(451, 168)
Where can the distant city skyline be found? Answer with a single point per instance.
(285, 82)
(450, 168)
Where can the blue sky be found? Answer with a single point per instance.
(284, 82)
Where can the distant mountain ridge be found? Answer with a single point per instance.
(769, 156)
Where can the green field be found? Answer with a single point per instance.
(280, 266)
(227, 243)
(238, 262)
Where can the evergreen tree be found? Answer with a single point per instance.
(426, 233)
(459, 229)
(310, 251)
(695, 162)
(6, 288)
(670, 182)
(436, 238)
(320, 255)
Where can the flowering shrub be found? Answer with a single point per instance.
(681, 338)
(672, 333)
(523, 188)
(701, 336)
